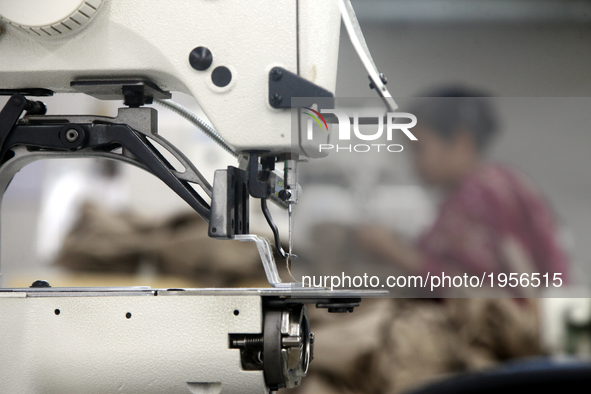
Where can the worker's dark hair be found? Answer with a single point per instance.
(447, 109)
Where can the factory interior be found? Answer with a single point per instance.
(92, 222)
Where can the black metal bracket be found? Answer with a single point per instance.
(12, 111)
(230, 204)
(90, 138)
(259, 188)
(37, 92)
(285, 85)
(10, 114)
(383, 78)
(334, 305)
(133, 92)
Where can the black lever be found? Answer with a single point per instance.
(92, 137)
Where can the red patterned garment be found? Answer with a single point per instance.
(495, 221)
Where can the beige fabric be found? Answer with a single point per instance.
(394, 345)
(107, 242)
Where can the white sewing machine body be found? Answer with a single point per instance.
(143, 340)
(153, 40)
(242, 61)
(126, 341)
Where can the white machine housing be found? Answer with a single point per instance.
(126, 342)
(144, 340)
(153, 39)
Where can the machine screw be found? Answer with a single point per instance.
(17, 101)
(72, 135)
(382, 78)
(248, 343)
(284, 195)
(276, 99)
(276, 74)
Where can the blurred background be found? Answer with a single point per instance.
(510, 48)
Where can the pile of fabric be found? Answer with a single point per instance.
(395, 345)
(107, 242)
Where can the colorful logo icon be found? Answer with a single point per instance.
(316, 118)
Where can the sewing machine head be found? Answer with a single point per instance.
(243, 62)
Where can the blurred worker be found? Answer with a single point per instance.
(492, 220)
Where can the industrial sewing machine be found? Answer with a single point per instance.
(243, 61)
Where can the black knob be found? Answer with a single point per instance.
(200, 58)
(221, 76)
(40, 283)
